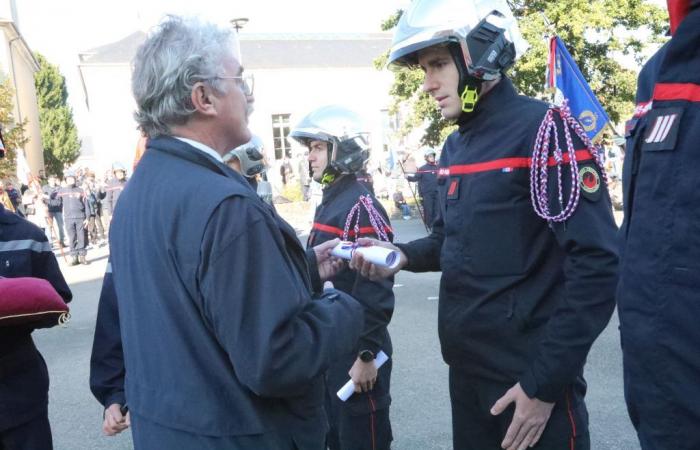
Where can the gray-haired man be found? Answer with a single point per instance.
(222, 343)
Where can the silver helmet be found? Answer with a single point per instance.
(251, 157)
(344, 131)
(431, 22)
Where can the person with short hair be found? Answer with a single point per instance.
(215, 293)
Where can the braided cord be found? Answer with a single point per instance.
(379, 225)
(539, 169)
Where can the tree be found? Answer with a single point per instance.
(597, 33)
(12, 133)
(58, 132)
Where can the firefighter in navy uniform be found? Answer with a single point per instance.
(365, 179)
(660, 243)
(528, 278)
(76, 210)
(24, 379)
(337, 147)
(426, 176)
(114, 188)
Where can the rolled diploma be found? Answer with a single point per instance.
(376, 255)
(349, 388)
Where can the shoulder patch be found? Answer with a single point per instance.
(589, 179)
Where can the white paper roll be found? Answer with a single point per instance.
(376, 255)
(349, 388)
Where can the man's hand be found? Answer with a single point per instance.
(371, 271)
(529, 420)
(328, 265)
(114, 422)
(364, 375)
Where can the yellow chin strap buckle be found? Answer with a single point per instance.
(328, 178)
(469, 98)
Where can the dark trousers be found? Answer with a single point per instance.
(474, 428)
(56, 222)
(95, 228)
(362, 422)
(77, 235)
(32, 435)
(429, 202)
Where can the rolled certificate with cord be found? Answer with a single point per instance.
(376, 255)
(349, 388)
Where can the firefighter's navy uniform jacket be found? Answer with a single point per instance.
(660, 241)
(75, 210)
(24, 379)
(112, 192)
(521, 300)
(426, 176)
(223, 346)
(364, 417)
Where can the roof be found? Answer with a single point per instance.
(272, 51)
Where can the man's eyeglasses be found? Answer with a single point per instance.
(245, 82)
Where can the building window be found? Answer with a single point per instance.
(280, 133)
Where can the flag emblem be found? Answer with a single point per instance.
(659, 131)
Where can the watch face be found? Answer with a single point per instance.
(366, 356)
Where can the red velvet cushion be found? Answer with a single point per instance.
(30, 301)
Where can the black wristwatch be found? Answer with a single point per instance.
(366, 355)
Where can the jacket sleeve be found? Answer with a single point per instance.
(414, 177)
(590, 269)
(45, 266)
(277, 338)
(107, 358)
(424, 254)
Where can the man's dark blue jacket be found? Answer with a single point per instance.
(219, 332)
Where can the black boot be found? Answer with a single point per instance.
(74, 261)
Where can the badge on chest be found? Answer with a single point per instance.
(453, 188)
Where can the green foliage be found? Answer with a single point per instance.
(58, 132)
(597, 33)
(12, 133)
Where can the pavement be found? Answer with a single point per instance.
(420, 412)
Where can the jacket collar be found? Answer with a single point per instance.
(334, 189)
(489, 105)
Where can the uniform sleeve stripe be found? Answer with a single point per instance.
(109, 268)
(677, 91)
(25, 244)
(351, 233)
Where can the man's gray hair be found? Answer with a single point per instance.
(178, 54)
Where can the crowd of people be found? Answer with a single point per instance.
(256, 333)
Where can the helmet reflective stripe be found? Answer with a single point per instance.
(430, 22)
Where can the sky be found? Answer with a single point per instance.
(60, 29)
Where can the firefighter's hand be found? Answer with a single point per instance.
(364, 375)
(328, 265)
(529, 419)
(372, 271)
(114, 422)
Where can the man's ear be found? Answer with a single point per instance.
(202, 98)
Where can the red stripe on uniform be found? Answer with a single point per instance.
(677, 91)
(453, 186)
(513, 163)
(572, 441)
(351, 232)
(371, 421)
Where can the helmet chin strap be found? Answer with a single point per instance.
(469, 87)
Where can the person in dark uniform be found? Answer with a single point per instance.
(114, 187)
(55, 206)
(240, 336)
(337, 147)
(657, 295)
(528, 278)
(24, 379)
(76, 211)
(426, 176)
